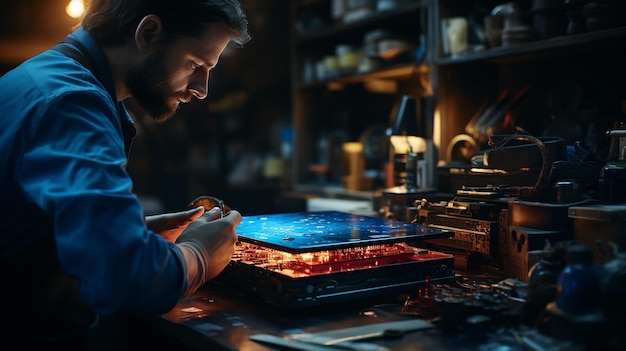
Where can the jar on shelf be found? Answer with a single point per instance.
(348, 58)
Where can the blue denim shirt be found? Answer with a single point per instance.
(63, 181)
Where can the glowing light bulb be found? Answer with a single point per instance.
(75, 8)
(405, 143)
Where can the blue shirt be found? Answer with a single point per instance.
(63, 176)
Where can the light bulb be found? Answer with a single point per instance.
(405, 143)
(75, 8)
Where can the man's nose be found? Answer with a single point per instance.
(199, 84)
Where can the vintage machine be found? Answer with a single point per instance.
(502, 219)
(299, 260)
(490, 230)
(475, 225)
(479, 226)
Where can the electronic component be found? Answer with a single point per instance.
(298, 260)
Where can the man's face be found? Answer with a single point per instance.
(176, 71)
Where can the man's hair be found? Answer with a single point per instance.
(113, 22)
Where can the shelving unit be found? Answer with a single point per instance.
(553, 47)
(345, 107)
(586, 63)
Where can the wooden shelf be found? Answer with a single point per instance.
(557, 46)
(394, 72)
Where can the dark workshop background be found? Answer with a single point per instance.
(212, 147)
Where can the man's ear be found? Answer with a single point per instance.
(147, 32)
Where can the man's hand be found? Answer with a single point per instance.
(171, 225)
(208, 245)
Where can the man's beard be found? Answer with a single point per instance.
(148, 84)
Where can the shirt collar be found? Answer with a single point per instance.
(96, 53)
(106, 79)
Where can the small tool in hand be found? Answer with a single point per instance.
(208, 202)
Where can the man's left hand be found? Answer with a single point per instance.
(171, 225)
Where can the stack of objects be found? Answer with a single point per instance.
(516, 27)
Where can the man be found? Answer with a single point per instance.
(74, 241)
